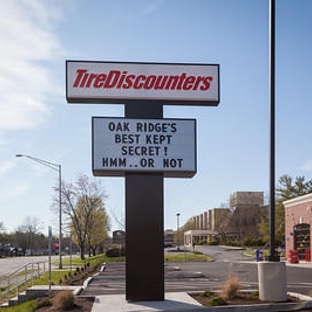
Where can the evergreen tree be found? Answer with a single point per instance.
(288, 188)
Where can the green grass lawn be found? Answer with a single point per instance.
(187, 256)
(83, 267)
(23, 307)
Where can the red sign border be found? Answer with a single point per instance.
(106, 100)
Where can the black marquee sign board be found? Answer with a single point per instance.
(120, 147)
(119, 237)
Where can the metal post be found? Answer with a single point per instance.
(32, 274)
(60, 217)
(50, 252)
(58, 168)
(9, 287)
(273, 256)
(71, 257)
(178, 226)
(26, 275)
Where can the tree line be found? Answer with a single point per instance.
(83, 206)
(288, 188)
(27, 237)
(84, 218)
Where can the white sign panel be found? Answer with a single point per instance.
(121, 145)
(110, 82)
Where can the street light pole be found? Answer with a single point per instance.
(55, 167)
(178, 226)
(273, 255)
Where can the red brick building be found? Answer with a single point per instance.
(298, 221)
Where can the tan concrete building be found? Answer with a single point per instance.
(298, 221)
(246, 199)
(237, 222)
(169, 236)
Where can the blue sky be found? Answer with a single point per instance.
(36, 38)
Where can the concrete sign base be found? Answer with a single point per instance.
(272, 281)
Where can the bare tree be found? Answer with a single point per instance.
(2, 228)
(28, 234)
(120, 221)
(179, 234)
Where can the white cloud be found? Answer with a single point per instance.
(307, 165)
(15, 191)
(5, 166)
(27, 43)
(150, 7)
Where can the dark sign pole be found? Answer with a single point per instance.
(273, 256)
(144, 222)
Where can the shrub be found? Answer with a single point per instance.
(216, 301)
(207, 294)
(42, 302)
(213, 242)
(231, 288)
(255, 293)
(63, 300)
(115, 252)
(253, 242)
(195, 252)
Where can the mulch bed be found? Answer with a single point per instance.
(241, 299)
(81, 304)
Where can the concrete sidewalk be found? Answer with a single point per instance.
(176, 302)
(172, 302)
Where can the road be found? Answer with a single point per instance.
(233, 262)
(9, 265)
(227, 263)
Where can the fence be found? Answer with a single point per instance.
(17, 281)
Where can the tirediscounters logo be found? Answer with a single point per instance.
(110, 82)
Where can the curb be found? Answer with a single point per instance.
(104, 303)
(78, 290)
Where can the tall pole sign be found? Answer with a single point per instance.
(143, 147)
